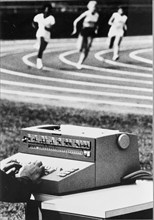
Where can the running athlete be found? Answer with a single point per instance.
(44, 21)
(116, 31)
(88, 31)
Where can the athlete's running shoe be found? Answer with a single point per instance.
(39, 63)
(79, 66)
(115, 58)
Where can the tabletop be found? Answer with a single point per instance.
(104, 203)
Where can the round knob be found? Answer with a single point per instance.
(123, 141)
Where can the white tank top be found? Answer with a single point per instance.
(119, 20)
(90, 19)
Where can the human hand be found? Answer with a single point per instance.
(12, 167)
(74, 30)
(48, 28)
(125, 28)
(33, 171)
(96, 31)
(35, 25)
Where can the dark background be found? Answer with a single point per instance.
(16, 17)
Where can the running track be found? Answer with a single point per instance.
(123, 86)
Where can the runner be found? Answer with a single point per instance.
(116, 31)
(88, 31)
(44, 22)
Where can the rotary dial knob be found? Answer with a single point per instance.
(123, 141)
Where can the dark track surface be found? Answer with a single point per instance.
(124, 86)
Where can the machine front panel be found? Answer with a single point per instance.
(61, 146)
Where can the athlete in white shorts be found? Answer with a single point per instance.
(87, 32)
(116, 31)
(44, 22)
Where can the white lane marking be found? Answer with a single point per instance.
(27, 74)
(63, 58)
(133, 55)
(74, 99)
(26, 57)
(99, 54)
(27, 62)
(29, 46)
(85, 75)
(76, 82)
(79, 91)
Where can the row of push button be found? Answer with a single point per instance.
(62, 172)
(57, 141)
(67, 172)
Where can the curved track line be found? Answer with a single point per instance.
(26, 57)
(30, 45)
(74, 99)
(79, 91)
(99, 54)
(76, 82)
(6, 91)
(44, 78)
(133, 55)
(63, 58)
(29, 63)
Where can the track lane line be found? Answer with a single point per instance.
(133, 55)
(74, 99)
(99, 54)
(71, 72)
(63, 58)
(86, 75)
(75, 82)
(78, 91)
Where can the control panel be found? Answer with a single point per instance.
(57, 141)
